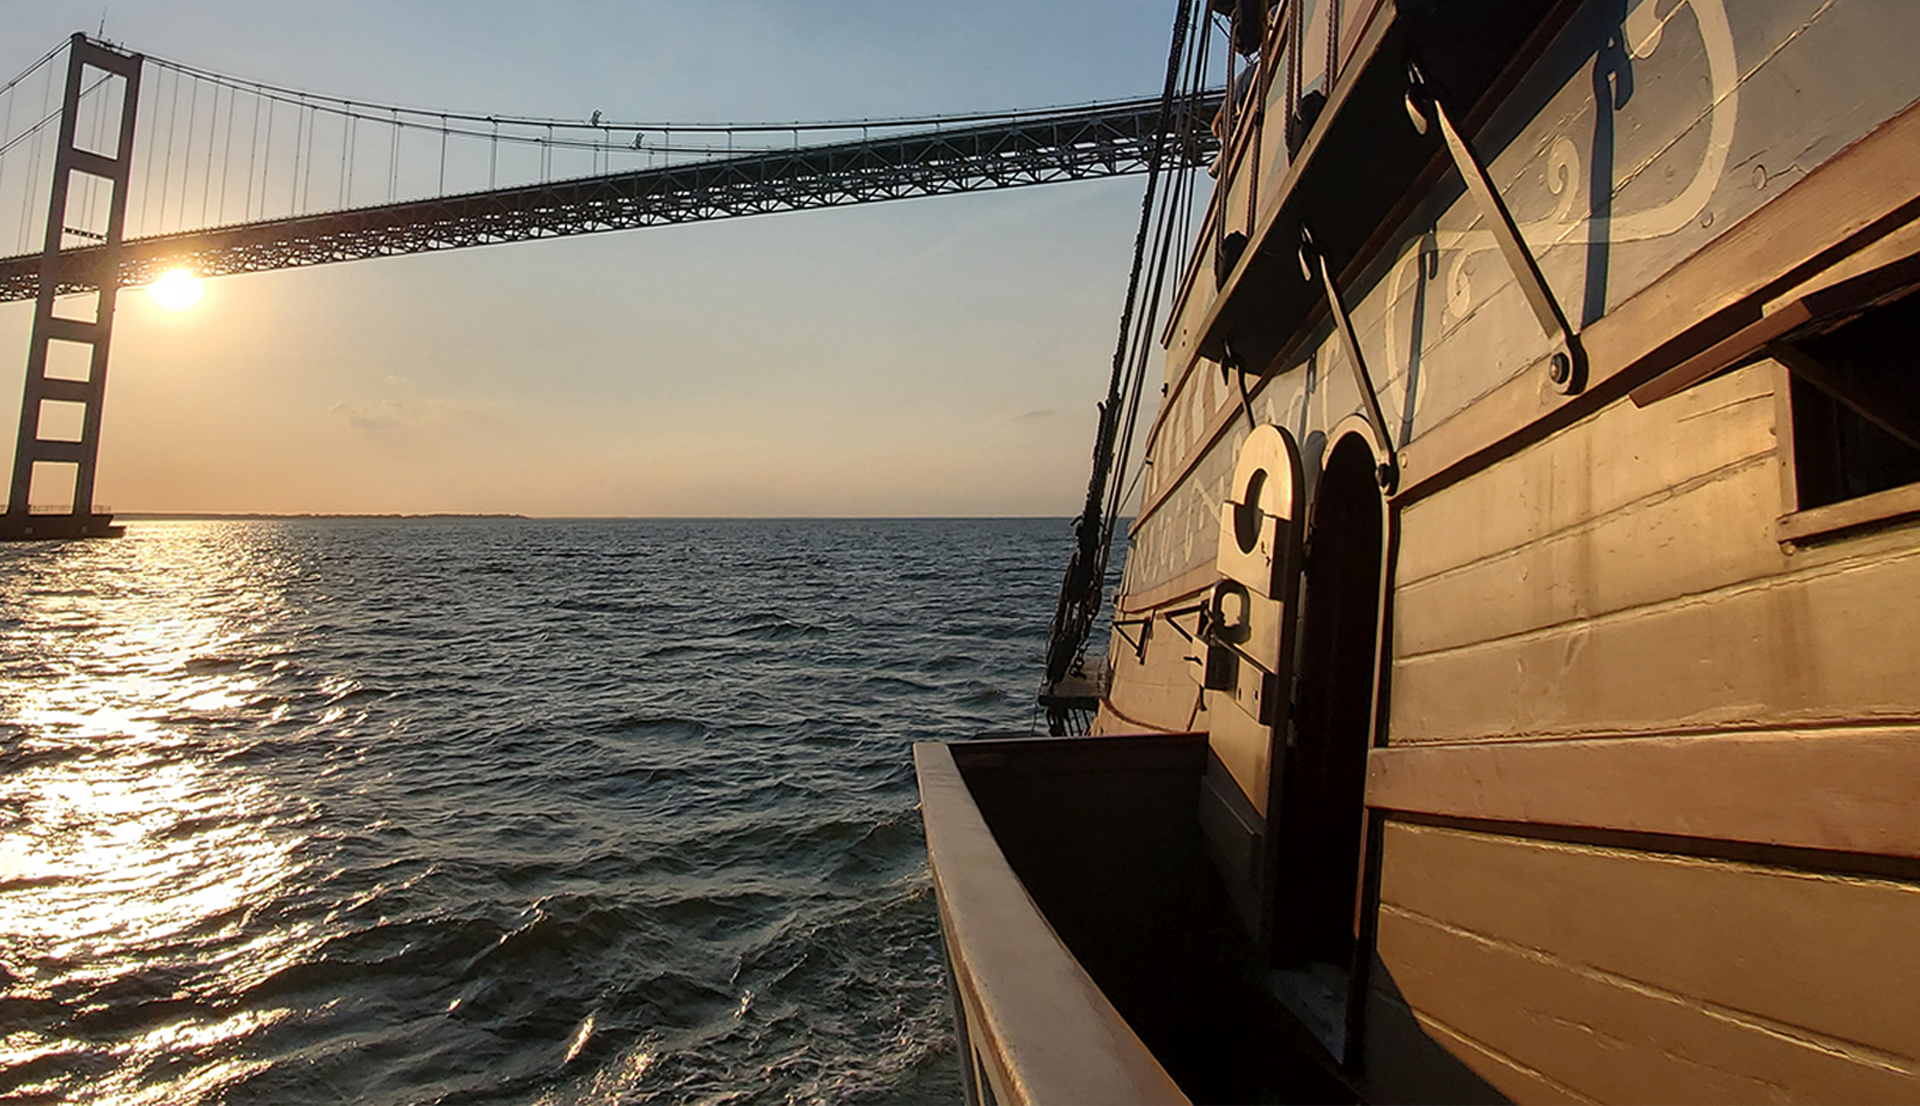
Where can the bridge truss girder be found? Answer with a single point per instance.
(1103, 141)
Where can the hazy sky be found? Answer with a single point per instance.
(924, 357)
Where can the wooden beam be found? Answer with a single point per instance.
(1892, 505)
(1184, 586)
(1843, 790)
(1883, 270)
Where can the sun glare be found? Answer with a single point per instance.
(176, 290)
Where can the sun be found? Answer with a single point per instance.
(176, 290)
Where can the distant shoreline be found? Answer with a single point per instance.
(262, 516)
(265, 516)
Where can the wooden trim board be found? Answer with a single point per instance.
(1847, 790)
(1186, 585)
(1892, 505)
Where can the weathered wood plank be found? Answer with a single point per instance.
(1824, 961)
(1158, 691)
(1846, 204)
(1609, 1038)
(1152, 708)
(1169, 592)
(1846, 790)
(1862, 278)
(1892, 505)
(1800, 649)
(1711, 531)
(1413, 1058)
(1622, 455)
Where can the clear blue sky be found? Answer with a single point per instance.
(925, 357)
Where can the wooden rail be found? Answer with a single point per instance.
(1032, 1024)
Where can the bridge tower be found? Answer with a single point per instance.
(88, 64)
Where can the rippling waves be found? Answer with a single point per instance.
(482, 810)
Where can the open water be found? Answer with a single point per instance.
(492, 810)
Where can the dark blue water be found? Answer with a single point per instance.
(492, 810)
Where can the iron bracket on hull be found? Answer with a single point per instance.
(1139, 644)
(1313, 266)
(1566, 366)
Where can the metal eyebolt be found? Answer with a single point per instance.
(1417, 98)
(1564, 369)
(1560, 369)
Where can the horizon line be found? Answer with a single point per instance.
(268, 516)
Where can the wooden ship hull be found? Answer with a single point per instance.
(1512, 690)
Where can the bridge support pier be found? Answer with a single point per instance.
(88, 64)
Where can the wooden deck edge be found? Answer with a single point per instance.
(1041, 1027)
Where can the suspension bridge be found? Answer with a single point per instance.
(117, 167)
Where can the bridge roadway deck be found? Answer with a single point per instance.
(1101, 141)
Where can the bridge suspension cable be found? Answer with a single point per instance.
(232, 174)
(595, 122)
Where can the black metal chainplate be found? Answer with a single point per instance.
(1566, 366)
(1313, 266)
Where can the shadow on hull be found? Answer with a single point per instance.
(1104, 839)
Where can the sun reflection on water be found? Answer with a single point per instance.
(134, 848)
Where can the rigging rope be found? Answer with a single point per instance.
(1142, 359)
(1081, 589)
(1170, 224)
